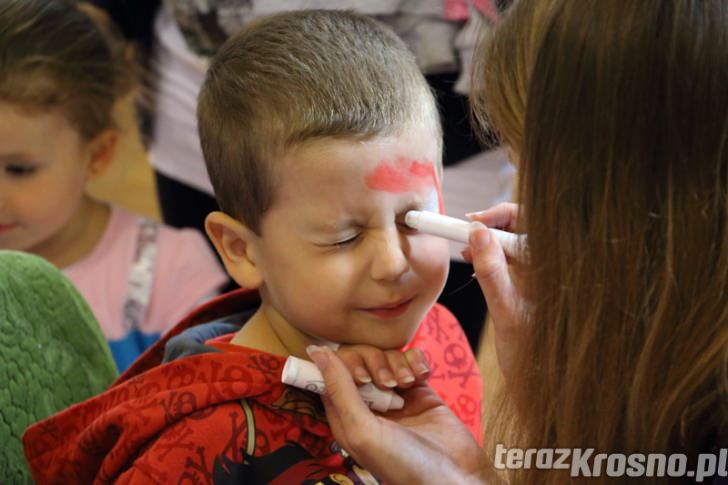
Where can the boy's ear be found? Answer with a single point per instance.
(101, 150)
(238, 248)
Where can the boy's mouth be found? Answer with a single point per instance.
(390, 310)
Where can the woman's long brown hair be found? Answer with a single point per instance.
(619, 112)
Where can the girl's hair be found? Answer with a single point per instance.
(619, 111)
(54, 55)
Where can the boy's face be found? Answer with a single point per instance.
(336, 259)
(42, 178)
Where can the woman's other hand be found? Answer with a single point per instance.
(422, 443)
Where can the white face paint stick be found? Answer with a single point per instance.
(305, 375)
(459, 230)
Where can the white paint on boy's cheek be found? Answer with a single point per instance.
(432, 202)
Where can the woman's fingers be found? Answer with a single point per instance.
(418, 363)
(379, 367)
(409, 367)
(387, 368)
(355, 363)
(502, 216)
(491, 270)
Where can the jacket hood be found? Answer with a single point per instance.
(93, 438)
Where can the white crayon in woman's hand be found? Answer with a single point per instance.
(305, 375)
(458, 230)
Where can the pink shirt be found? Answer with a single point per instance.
(185, 273)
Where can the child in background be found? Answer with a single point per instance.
(60, 75)
(319, 133)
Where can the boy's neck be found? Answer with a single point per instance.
(268, 331)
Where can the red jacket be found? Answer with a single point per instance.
(223, 416)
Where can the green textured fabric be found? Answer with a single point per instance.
(52, 352)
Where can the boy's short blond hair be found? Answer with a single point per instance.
(295, 77)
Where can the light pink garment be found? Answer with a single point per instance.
(186, 271)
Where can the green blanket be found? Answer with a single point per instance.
(52, 352)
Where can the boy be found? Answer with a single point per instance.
(319, 134)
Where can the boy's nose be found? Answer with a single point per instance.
(390, 261)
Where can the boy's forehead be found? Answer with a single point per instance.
(419, 140)
(388, 170)
(408, 161)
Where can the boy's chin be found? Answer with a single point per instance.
(388, 341)
(384, 335)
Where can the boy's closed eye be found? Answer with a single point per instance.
(351, 240)
(20, 169)
(348, 241)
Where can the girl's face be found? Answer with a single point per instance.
(44, 166)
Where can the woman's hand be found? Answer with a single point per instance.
(505, 303)
(422, 443)
(389, 368)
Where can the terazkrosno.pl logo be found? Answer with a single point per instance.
(584, 462)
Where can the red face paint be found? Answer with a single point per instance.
(403, 175)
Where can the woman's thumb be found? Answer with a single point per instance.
(349, 418)
(341, 391)
(491, 270)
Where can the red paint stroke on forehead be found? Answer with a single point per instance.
(402, 176)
